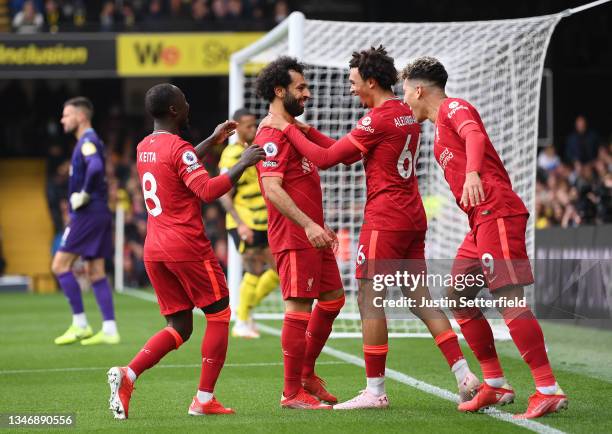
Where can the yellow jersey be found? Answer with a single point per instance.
(248, 200)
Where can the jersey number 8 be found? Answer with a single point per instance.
(149, 194)
(406, 168)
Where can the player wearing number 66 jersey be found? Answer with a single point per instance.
(495, 246)
(178, 257)
(393, 232)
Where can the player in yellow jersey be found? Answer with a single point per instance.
(247, 224)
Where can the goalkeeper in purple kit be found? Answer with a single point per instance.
(89, 232)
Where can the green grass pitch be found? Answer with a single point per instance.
(37, 376)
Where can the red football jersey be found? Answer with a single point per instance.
(166, 165)
(302, 183)
(389, 137)
(449, 150)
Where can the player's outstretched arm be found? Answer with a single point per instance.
(341, 151)
(315, 135)
(322, 157)
(275, 192)
(219, 135)
(250, 157)
(209, 189)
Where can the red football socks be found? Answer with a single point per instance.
(156, 347)
(293, 342)
(529, 339)
(478, 334)
(319, 329)
(214, 348)
(375, 357)
(449, 345)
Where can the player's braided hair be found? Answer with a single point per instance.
(276, 74)
(82, 103)
(375, 63)
(426, 68)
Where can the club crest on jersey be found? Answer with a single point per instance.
(453, 104)
(270, 149)
(189, 158)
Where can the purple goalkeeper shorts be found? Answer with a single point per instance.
(89, 235)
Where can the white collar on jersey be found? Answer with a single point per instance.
(161, 132)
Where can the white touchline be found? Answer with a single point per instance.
(530, 425)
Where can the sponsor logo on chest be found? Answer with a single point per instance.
(364, 124)
(444, 158)
(307, 165)
(454, 107)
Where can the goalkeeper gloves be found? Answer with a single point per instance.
(79, 199)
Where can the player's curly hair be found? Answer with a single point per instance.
(375, 63)
(426, 68)
(276, 74)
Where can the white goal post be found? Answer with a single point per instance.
(496, 65)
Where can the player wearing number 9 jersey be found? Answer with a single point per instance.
(178, 257)
(393, 232)
(498, 220)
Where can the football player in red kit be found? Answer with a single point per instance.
(387, 139)
(495, 246)
(299, 241)
(178, 257)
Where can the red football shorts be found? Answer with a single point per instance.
(496, 248)
(306, 273)
(185, 285)
(385, 252)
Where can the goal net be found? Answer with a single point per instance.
(496, 65)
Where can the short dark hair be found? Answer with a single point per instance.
(82, 103)
(426, 68)
(375, 63)
(238, 114)
(159, 98)
(276, 74)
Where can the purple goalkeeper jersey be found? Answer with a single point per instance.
(87, 172)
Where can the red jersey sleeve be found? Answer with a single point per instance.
(277, 152)
(319, 138)
(340, 151)
(195, 177)
(186, 163)
(367, 133)
(459, 114)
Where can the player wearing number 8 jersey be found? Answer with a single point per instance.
(498, 219)
(178, 257)
(393, 232)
